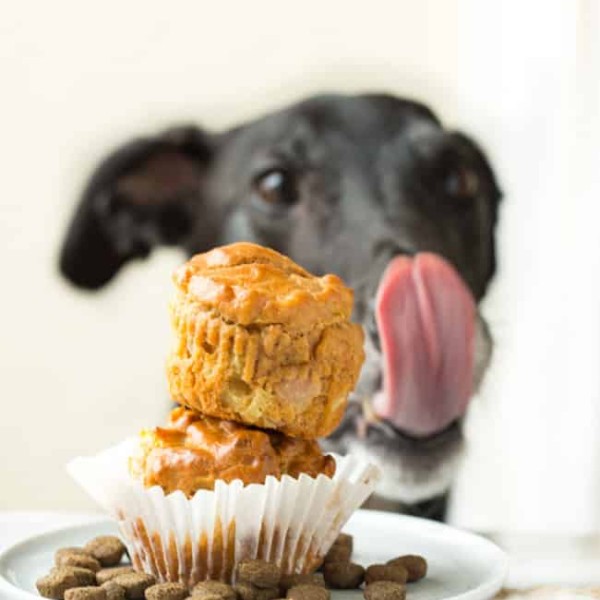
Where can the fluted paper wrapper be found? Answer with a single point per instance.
(291, 522)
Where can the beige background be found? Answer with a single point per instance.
(79, 371)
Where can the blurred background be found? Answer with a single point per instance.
(80, 371)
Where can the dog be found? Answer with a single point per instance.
(342, 184)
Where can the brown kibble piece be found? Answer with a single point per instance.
(267, 593)
(64, 578)
(57, 582)
(308, 592)
(105, 575)
(345, 539)
(343, 576)
(134, 584)
(259, 573)
(245, 591)
(84, 577)
(288, 581)
(68, 551)
(85, 593)
(167, 591)
(338, 553)
(207, 596)
(204, 589)
(113, 591)
(385, 590)
(416, 566)
(83, 560)
(397, 574)
(108, 549)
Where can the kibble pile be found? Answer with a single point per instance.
(96, 572)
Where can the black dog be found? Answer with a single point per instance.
(343, 185)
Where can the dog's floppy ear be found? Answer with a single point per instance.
(145, 194)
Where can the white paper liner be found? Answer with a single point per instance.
(291, 522)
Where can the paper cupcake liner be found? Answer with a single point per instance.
(292, 522)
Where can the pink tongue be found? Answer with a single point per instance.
(426, 320)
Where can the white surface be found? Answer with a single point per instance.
(16, 525)
(534, 560)
(462, 566)
(542, 560)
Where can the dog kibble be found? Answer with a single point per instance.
(343, 576)
(416, 566)
(57, 582)
(108, 549)
(54, 585)
(204, 589)
(84, 576)
(85, 561)
(385, 590)
(338, 553)
(85, 593)
(288, 581)
(69, 551)
(134, 584)
(397, 574)
(267, 593)
(167, 591)
(308, 592)
(260, 573)
(344, 539)
(245, 591)
(113, 591)
(105, 575)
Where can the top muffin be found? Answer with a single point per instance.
(263, 342)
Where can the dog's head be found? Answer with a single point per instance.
(372, 188)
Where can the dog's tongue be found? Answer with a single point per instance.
(426, 320)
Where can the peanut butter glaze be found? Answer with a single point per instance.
(194, 450)
(248, 284)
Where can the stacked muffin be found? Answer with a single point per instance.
(260, 343)
(263, 342)
(264, 360)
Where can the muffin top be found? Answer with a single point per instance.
(245, 284)
(193, 451)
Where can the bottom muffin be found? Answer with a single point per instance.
(179, 537)
(193, 451)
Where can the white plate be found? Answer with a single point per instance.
(462, 566)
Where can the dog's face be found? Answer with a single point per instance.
(359, 186)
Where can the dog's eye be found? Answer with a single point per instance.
(275, 189)
(462, 183)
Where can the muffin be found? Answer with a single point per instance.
(263, 342)
(194, 451)
(288, 520)
(264, 361)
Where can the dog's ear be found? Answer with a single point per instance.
(478, 156)
(145, 194)
(475, 156)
